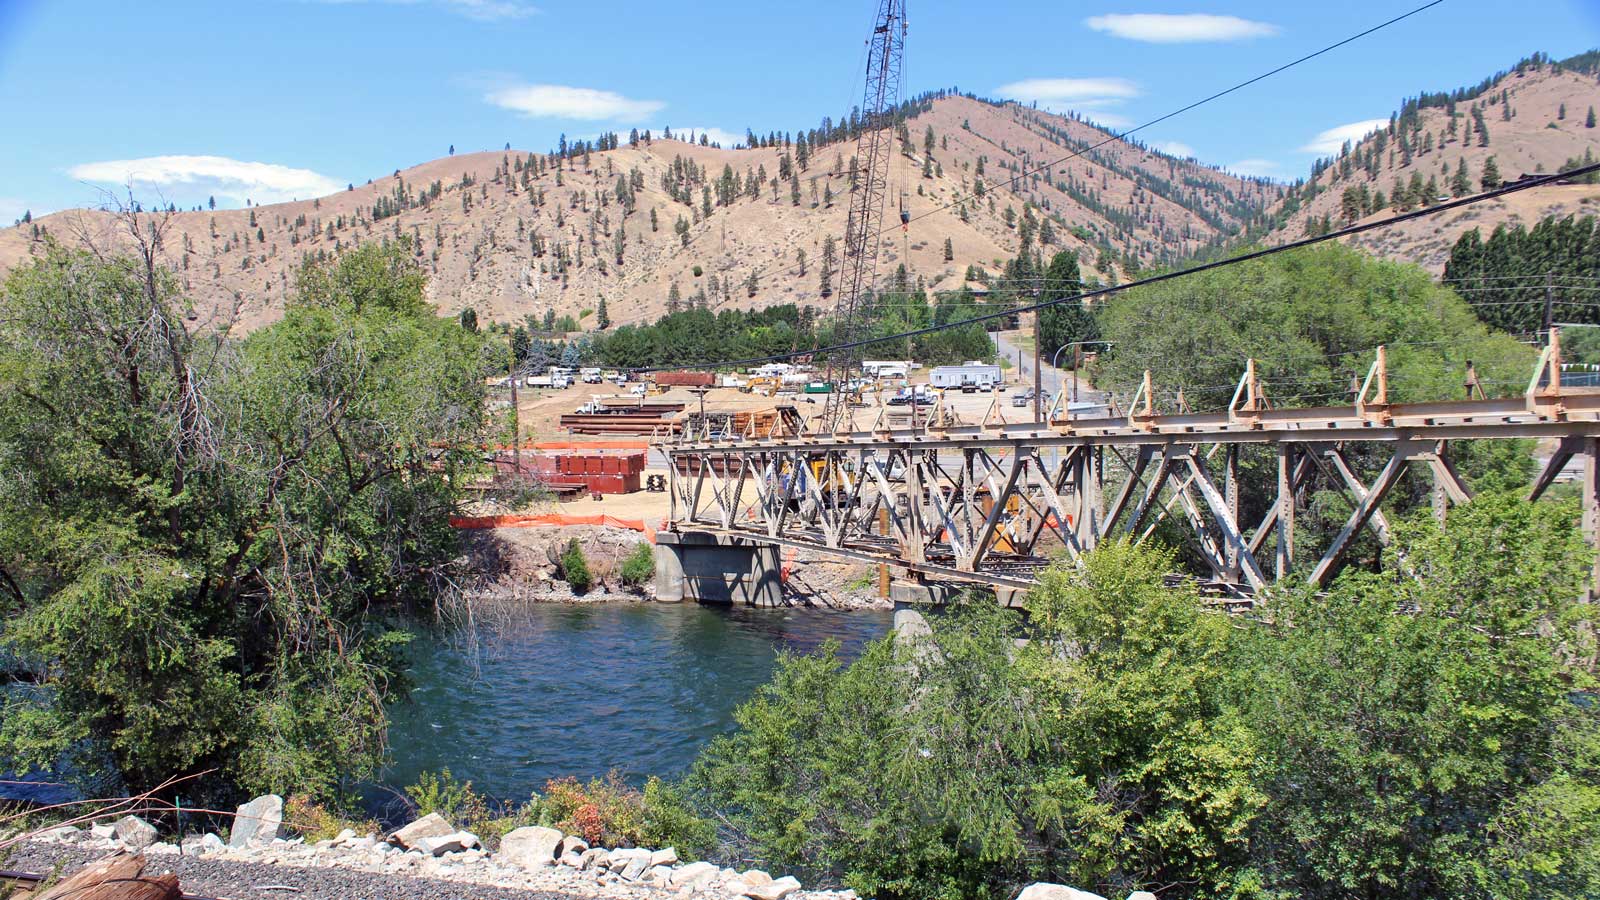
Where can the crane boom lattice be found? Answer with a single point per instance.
(874, 143)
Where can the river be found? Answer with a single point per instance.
(582, 690)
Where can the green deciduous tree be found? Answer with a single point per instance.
(202, 535)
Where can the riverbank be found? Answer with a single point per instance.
(427, 860)
(523, 565)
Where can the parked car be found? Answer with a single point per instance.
(1023, 399)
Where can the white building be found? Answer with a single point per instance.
(972, 372)
(887, 368)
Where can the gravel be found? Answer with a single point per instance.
(259, 881)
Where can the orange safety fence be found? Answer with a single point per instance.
(542, 520)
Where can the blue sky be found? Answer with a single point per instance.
(273, 99)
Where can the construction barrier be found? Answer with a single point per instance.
(546, 520)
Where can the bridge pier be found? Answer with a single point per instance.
(711, 568)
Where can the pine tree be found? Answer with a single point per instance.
(800, 260)
(1589, 122)
(1461, 184)
(654, 223)
(825, 276)
(211, 202)
(602, 318)
(1491, 175)
(674, 299)
(949, 250)
(751, 284)
(1561, 112)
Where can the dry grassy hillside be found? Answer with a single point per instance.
(510, 250)
(1535, 139)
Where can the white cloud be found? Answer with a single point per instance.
(557, 101)
(714, 135)
(1077, 92)
(1256, 168)
(1330, 141)
(477, 10)
(1156, 28)
(1174, 148)
(226, 179)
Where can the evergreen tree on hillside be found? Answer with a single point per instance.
(1589, 122)
(825, 271)
(1461, 184)
(602, 318)
(1491, 175)
(949, 250)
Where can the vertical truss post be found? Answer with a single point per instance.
(1284, 557)
(1591, 507)
(1230, 497)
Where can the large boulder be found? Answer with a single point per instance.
(258, 822)
(531, 847)
(696, 875)
(454, 842)
(776, 889)
(630, 863)
(664, 857)
(431, 825)
(1141, 895)
(134, 833)
(1045, 891)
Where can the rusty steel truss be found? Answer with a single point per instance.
(990, 502)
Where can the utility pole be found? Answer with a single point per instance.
(1077, 364)
(516, 422)
(1038, 401)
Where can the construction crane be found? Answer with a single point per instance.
(862, 230)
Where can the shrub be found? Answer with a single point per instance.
(669, 821)
(605, 812)
(575, 568)
(640, 566)
(455, 800)
(317, 822)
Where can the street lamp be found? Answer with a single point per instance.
(1077, 360)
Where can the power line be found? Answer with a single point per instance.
(1156, 121)
(1198, 103)
(1156, 279)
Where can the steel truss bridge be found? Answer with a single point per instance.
(989, 502)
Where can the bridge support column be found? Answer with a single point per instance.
(711, 568)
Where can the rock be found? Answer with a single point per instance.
(754, 877)
(531, 847)
(1044, 891)
(455, 842)
(1141, 895)
(664, 857)
(695, 875)
(637, 862)
(431, 825)
(776, 889)
(657, 875)
(134, 833)
(735, 888)
(58, 834)
(572, 858)
(161, 849)
(574, 843)
(258, 822)
(103, 831)
(344, 837)
(595, 858)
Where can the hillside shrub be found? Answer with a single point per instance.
(575, 568)
(640, 566)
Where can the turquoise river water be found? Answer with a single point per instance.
(583, 690)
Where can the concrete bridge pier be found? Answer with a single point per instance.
(712, 568)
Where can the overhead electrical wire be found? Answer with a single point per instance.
(1523, 185)
(1156, 121)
